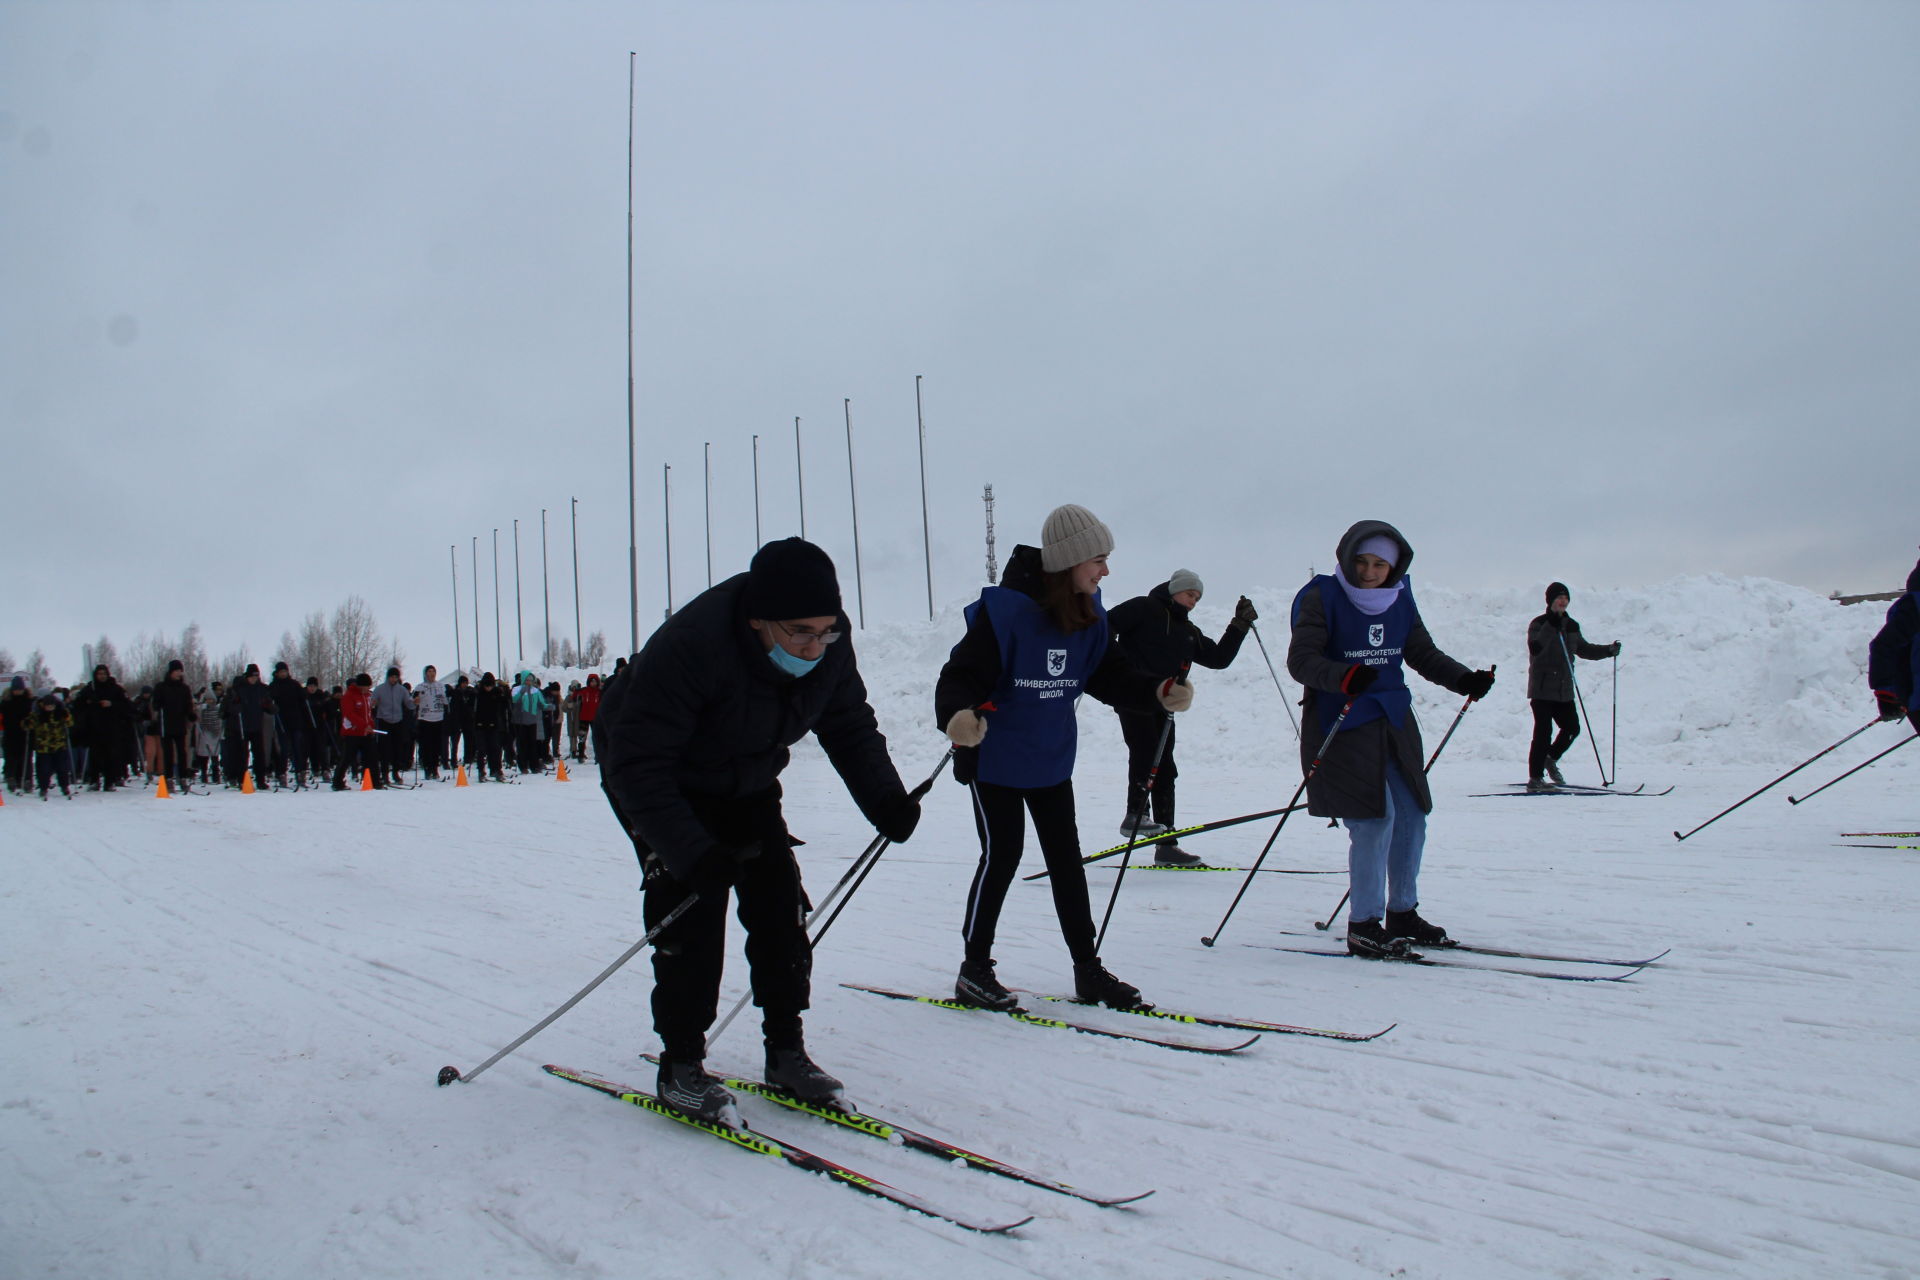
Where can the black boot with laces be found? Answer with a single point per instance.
(978, 987)
(789, 1068)
(1094, 985)
(1366, 939)
(1421, 933)
(685, 1086)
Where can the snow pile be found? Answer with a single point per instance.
(1713, 670)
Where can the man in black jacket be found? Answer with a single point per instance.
(1553, 643)
(174, 714)
(691, 739)
(1156, 633)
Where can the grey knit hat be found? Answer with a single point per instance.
(1185, 580)
(1072, 535)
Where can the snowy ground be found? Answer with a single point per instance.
(224, 1014)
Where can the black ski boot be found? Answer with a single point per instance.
(978, 987)
(686, 1086)
(1365, 938)
(791, 1069)
(1094, 985)
(1421, 933)
(1172, 855)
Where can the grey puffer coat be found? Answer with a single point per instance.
(1352, 779)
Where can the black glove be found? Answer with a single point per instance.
(897, 818)
(1889, 703)
(1244, 612)
(1357, 680)
(1616, 648)
(1477, 684)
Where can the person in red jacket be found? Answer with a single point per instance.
(356, 731)
(589, 708)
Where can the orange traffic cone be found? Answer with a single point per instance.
(246, 783)
(3, 802)
(562, 776)
(160, 792)
(366, 779)
(460, 776)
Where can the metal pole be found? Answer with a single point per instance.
(478, 661)
(926, 527)
(579, 645)
(756, 493)
(519, 627)
(853, 500)
(633, 496)
(706, 485)
(666, 521)
(499, 653)
(546, 596)
(453, 571)
(800, 477)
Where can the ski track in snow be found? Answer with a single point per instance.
(224, 1015)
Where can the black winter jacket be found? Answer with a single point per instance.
(1158, 636)
(700, 719)
(173, 708)
(1352, 779)
(1549, 674)
(1893, 655)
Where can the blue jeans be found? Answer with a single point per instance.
(1383, 862)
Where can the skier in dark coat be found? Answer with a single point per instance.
(251, 706)
(108, 714)
(691, 739)
(1353, 631)
(1893, 657)
(16, 708)
(1553, 642)
(1033, 645)
(174, 716)
(492, 705)
(1157, 635)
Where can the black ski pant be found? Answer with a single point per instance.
(176, 758)
(392, 750)
(772, 906)
(56, 764)
(999, 815)
(16, 753)
(1142, 731)
(432, 734)
(1548, 715)
(483, 751)
(525, 753)
(356, 752)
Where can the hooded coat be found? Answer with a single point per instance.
(1351, 781)
(700, 722)
(1893, 655)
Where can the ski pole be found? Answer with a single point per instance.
(1297, 793)
(1575, 682)
(1324, 925)
(1133, 836)
(1278, 687)
(857, 874)
(1613, 730)
(1857, 768)
(1198, 828)
(1782, 778)
(449, 1074)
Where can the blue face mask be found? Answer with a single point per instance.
(791, 665)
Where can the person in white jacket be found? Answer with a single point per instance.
(430, 701)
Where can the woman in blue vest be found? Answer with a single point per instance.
(1353, 631)
(1006, 698)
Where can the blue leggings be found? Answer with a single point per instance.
(1383, 862)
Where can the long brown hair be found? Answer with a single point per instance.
(1068, 609)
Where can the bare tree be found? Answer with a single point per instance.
(6, 660)
(192, 653)
(101, 654)
(356, 639)
(39, 677)
(596, 652)
(229, 666)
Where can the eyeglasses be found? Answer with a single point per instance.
(805, 636)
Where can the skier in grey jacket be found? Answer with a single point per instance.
(1553, 642)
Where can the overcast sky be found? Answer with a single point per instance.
(294, 296)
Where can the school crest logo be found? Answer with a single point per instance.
(1377, 634)
(1056, 661)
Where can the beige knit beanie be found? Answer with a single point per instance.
(1071, 536)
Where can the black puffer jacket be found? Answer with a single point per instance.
(1352, 779)
(1159, 637)
(701, 717)
(1893, 655)
(173, 708)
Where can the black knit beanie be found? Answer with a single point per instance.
(791, 578)
(1557, 589)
